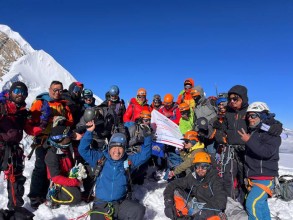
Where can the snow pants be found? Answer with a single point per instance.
(39, 182)
(124, 210)
(256, 201)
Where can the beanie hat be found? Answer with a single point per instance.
(19, 85)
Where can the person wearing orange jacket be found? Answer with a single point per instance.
(170, 109)
(135, 107)
(184, 95)
(58, 107)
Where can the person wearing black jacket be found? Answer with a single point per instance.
(261, 159)
(205, 190)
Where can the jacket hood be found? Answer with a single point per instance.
(241, 91)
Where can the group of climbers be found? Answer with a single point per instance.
(79, 144)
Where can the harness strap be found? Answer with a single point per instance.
(9, 175)
(262, 186)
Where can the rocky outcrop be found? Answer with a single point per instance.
(10, 51)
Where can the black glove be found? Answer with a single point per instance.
(169, 209)
(276, 129)
(169, 212)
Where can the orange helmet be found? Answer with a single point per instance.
(145, 114)
(202, 157)
(183, 107)
(194, 93)
(168, 98)
(191, 136)
(141, 91)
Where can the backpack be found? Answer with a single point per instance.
(284, 187)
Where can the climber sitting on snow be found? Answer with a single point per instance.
(66, 177)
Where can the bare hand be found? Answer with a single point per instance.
(90, 126)
(244, 136)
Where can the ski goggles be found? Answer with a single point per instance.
(59, 138)
(19, 91)
(252, 116)
(76, 89)
(203, 166)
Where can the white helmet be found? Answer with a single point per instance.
(258, 107)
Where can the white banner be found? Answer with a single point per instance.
(167, 131)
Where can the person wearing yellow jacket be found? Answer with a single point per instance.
(191, 147)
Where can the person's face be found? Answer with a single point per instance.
(222, 107)
(88, 100)
(116, 153)
(201, 169)
(55, 91)
(185, 114)
(235, 101)
(141, 98)
(187, 144)
(146, 121)
(18, 95)
(187, 87)
(253, 119)
(168, 105)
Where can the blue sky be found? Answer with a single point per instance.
(157, 44)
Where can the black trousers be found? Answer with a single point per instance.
(126, 209)
(39, 181)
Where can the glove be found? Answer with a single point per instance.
(46, 111)
(169, 211)
(146, 130)
(73, 172)
(276, 129)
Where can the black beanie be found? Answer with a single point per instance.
(19, 85)
(59, 130)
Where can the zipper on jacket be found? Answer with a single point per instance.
(260, 166)
(114, 168)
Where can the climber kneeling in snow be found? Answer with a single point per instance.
(66, 177)
(112, 168)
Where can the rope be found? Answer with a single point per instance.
(9, 175)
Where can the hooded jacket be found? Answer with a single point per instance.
(262, 152)
(236, 119)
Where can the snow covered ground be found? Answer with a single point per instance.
(150, 194)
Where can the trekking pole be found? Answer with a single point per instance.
(33, 146)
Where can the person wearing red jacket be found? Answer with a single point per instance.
(64, 188)
(135, 107)
(14, 119)
(170, 109)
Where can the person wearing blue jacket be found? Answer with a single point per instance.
(112, 183)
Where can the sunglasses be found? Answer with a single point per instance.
(146, 120)
(186, 142)
(168, 103)
(187, 87)
(234, 99)
(19, 91)
(88, 98)
(57, 90)
(140, 96)
(253, 116)
(203, 166)
(157, 100)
